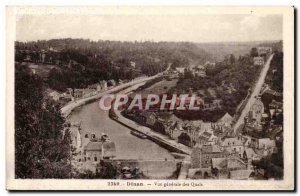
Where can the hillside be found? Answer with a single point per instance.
(221, 49)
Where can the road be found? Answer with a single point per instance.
(149, 132)
(67, 109)
(255, 92)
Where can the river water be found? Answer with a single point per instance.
(94, 120)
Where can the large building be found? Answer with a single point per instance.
(202, 155)
(258, 60)
(264, 50)
(95, 151)
(233, 145)
(256, 111)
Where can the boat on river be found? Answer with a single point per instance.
(138, 134)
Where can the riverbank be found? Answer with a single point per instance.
(158, 138)
(67, 109)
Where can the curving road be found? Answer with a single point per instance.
(67, 109)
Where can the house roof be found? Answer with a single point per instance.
(251, 154)
(242, 174)
(108, 147)
(266, 143)
(212, 149)
(93, 146)
(169, 117)
(258, 58)
(180, 69)
(275, 104)
(218, 163)
(233, 141)
(147, 114)
(227, 163)
(227, 118)
(272, 92)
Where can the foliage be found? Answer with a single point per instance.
(275, 74)
(239, 73)
(40, 150)
(84, 62)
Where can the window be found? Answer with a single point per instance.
(84, 159)
(86, 135)
(95, 158)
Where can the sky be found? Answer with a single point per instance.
(193, 28)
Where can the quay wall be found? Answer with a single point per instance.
(67, 109)
(155, 139)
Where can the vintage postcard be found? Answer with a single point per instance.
(150, 98)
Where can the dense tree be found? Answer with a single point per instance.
(275, 74)
(40, 149)
(253, 52)
(238, 73)
(84, 62)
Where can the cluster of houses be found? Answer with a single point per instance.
(49, 55)
(262, 52)
(218, 152)
(195, 70)
(75, 94)
(262, 116)
(89, 148)
(219, 155)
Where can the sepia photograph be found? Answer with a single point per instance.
(150, 98)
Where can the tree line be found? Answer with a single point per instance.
(87, 61)
(41, 146)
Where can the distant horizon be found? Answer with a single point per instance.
(156, 28)
(142, 41)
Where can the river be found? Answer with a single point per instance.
(94, 120)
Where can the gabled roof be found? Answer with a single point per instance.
(212, 149)
(272, 92)
(251, 154)
(217, 163)
(266, 143)
(109, 147)
(242, 174)
(227, 163)
(227, 118)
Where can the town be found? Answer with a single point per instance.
(235, 133)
